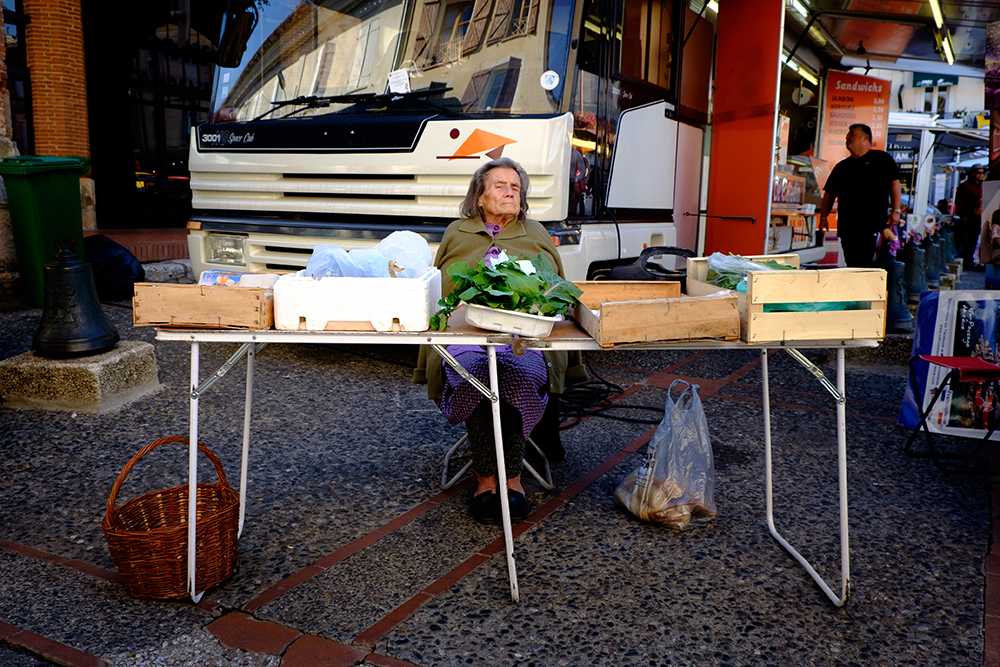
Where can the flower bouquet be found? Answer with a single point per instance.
(518, 285)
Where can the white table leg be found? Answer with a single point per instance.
(193, 478)
(842, 473)
(508, 533)
(493, 394)
(251, 355)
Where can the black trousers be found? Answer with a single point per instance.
(484, 453)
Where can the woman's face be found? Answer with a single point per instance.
(501, 200)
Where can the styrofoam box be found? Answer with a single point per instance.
(356, 304)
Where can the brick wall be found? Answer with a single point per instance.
(58, 79)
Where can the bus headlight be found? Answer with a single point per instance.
(225, 249)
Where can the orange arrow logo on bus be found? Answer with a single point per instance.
(480, 141)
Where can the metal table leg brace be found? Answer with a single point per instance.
(493, 393)
(838, 393)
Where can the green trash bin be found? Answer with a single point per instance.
(43, 195)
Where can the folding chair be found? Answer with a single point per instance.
(446, 483)
(984, 377)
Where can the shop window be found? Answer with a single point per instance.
(18, 79)
(493, 89)
(584, 105)
(647, 42)
(936, 99)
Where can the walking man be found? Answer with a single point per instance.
(865, 185)
(968, 211)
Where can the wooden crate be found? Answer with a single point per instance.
(866, 287)
(216, 307)
(643, 312)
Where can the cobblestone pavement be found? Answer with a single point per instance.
(351, 554)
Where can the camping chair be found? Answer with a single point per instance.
(446, 483)
(982, 375)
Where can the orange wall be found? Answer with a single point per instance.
(58, 80)
(748, 53)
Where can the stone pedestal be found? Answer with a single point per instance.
(948, 281)
(96, 383)
(955, 267)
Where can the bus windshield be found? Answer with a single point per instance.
(298, 58)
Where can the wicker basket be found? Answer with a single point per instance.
(148, 539)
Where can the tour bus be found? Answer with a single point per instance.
(341, 121)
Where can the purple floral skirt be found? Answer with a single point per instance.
(522, 380)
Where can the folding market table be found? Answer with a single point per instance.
(565, 336)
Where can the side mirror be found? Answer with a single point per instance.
(240, 24)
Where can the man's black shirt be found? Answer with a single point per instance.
(863, 188)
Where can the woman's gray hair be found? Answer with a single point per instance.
(469, 208)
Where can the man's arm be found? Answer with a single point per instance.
(894, 216)
(824, 210)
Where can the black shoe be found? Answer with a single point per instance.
(519, 507)
(485, 508)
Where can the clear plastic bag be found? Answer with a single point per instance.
(405, 248)
(728, 270)
(675, 484)
(409, 250)
(370, 263)
(329, 261)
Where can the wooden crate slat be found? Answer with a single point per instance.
(817, 286)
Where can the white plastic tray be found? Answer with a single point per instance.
(509, 321)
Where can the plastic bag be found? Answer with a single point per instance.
(728, 270)
(409, 250)
(404, 248)
(674, 486)
(328, 261)
(116, 270)
(370, 262)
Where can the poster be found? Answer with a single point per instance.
(991, 76)
(953, 323)
(851, 99)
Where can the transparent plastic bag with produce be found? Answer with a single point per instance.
(674, 486)
(728, 270)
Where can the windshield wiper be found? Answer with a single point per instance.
(417, 95)
(317, 102)
(314, 101)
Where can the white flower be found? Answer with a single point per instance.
(526, 266)
(499, 259)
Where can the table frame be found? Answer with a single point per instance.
(251, 342)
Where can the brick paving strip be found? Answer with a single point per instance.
(239, 629)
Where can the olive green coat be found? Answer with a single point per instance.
(467, 241)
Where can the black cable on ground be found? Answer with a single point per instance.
(592, 399)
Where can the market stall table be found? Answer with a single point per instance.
(565, 336)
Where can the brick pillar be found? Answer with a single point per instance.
(59, 87)
(58, 78)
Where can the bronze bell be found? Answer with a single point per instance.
(73, 322)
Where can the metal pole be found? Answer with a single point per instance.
(508, 533)
(193, 478)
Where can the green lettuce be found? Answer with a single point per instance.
(507, 287)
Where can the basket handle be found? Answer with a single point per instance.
(150, 447)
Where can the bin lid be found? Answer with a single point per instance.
(23, 165)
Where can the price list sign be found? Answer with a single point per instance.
(852, 99)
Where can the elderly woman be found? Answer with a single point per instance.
(494, 219)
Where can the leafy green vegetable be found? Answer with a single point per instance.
(507, 287)
(729, 279)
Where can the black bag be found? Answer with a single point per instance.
(116, 269)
